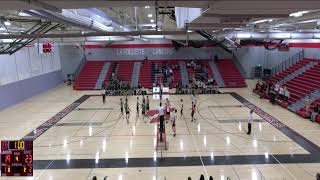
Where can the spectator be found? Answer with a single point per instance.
(258, 86)
(314, 113)
(189, 178)
(318, 176)
(273, 95)
(210, 178)
(276, 89)
(94, 178)
(202, 177)
(307, 105)
(281, 93)
(286, 94)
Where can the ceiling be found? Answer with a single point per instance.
(218, 16)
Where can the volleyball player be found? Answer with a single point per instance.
(181, 107)
(167, 104)
(148, 104)
(127, 109)
(174, 122)
(143, 110)
(121, 106)
(138, 104)
(192, 111)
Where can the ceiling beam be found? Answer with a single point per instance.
(213, 25)
(240, 16)
(43, 5)
(91, 34)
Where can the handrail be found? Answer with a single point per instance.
(80, 66)
(287, 63)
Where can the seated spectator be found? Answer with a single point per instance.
(307, 105)
(94, 178)
(189, 178)
(314, 113)
(258, 86)
(318, 176)
(281, 93)
(262, 88)
(210, 178)
(276, 90)
(202, 177)
(273, 95)
(286, 94)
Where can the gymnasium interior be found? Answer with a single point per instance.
(160, 90)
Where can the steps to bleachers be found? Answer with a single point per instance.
(89, 75)
(230, 73)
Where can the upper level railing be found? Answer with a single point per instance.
(289, 62)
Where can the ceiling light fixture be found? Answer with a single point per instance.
(2, 29)
(147, 7)
(7, 23)
(23, 14)
(262, 21)
(150, 15)
(298, 14)
(308, 21)
(152, 20)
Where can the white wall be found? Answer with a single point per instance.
(27, 63)
(252, 56)
(71, 56)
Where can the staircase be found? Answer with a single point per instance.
(145, 76)
(113, 67)
(216, 74)
(300, 104)
(230, 74)
(176, 73)
(103, 73)
(89, 75)
(184, 73)
(125, 70)
(135, 74)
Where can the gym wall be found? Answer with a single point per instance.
(27, 73)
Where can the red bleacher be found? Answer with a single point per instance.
(304, 84)
(230, 73)
(289, 70)
(302, 112)
(125, 70)
(192, 72)
(89, 75)
(159, 64)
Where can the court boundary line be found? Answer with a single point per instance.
(313, 149)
